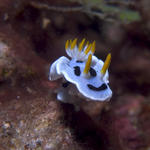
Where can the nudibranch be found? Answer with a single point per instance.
(88, 73)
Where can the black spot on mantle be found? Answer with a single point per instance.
(77, 71)
(101, 88)
(92, 72)
(79, 61)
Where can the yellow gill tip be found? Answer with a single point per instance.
(70, 41)
(93, 47)
(73, 43)
(67, 44)
(88, 49)
(88, 64)
(87, 43)
(106, 64)
(81, 45)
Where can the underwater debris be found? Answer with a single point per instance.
(88, 73)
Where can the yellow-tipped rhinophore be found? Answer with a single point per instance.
(88, 49)
(73, 44)
(106, 64)
(88, 64)
(93, 47)
(67, 44)
(81, 45)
